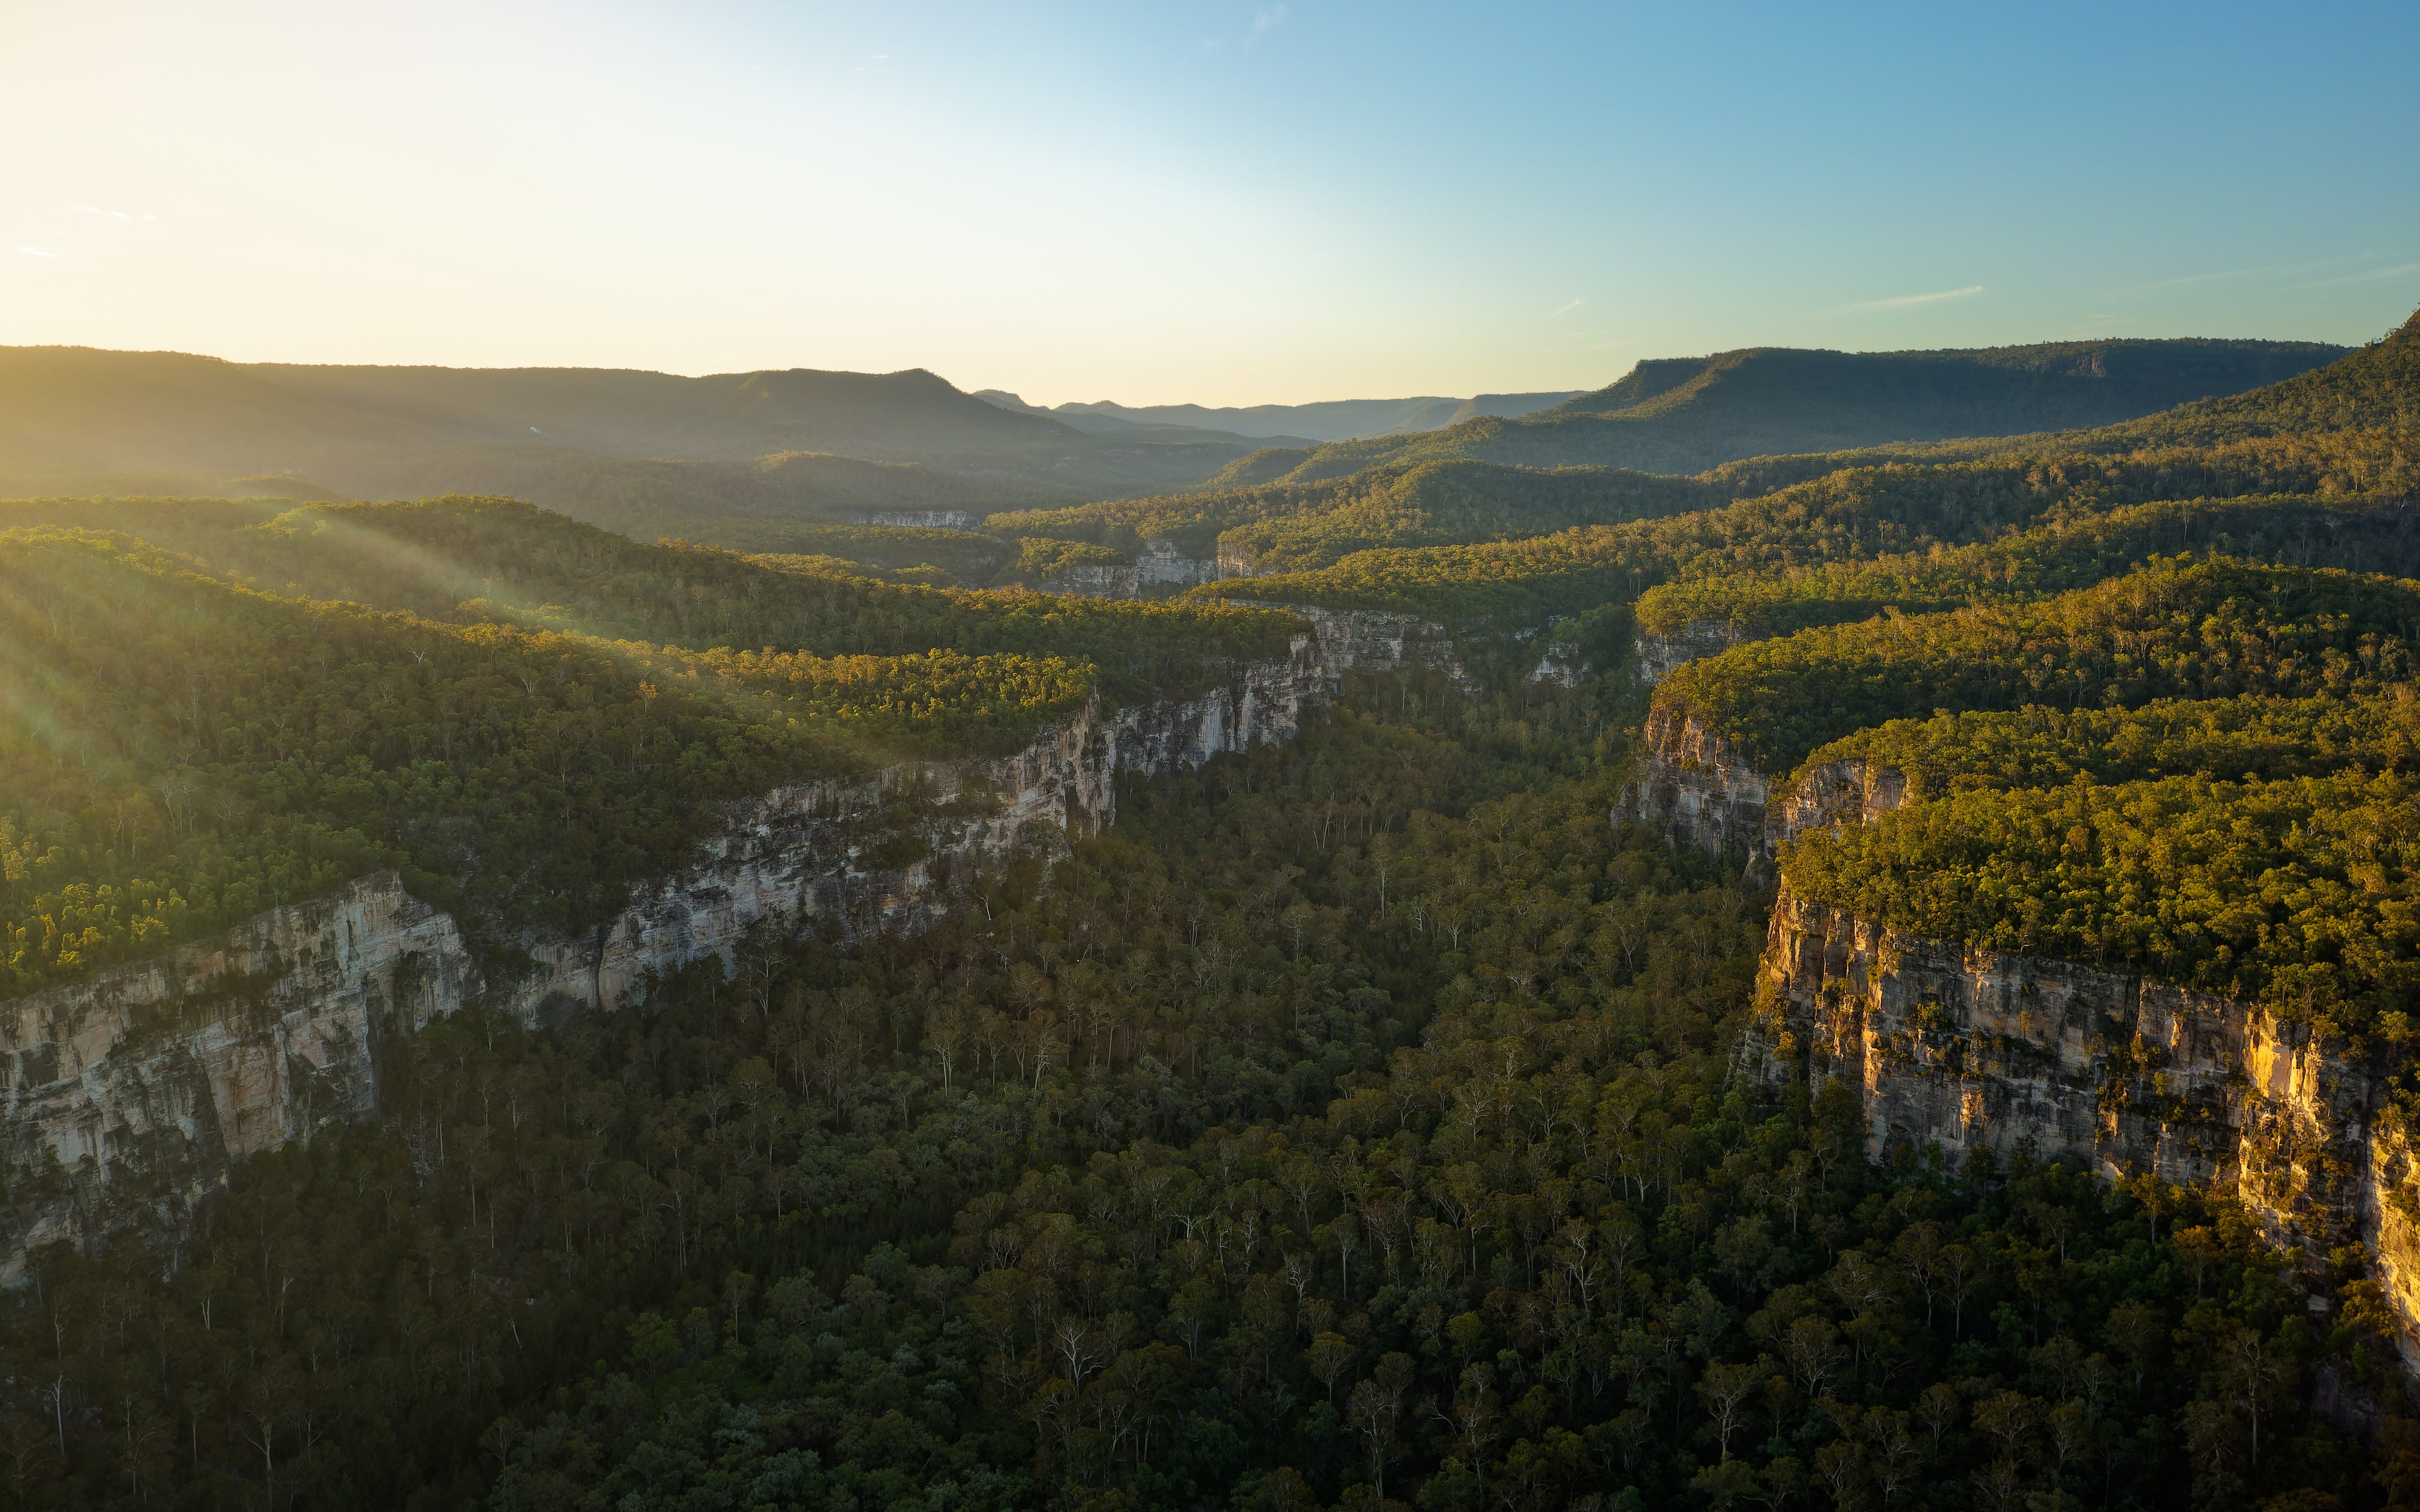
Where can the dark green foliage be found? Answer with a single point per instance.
(1284, 528)
(2364, 534)
(2298, 893)
(965, 558)
(2256, 738)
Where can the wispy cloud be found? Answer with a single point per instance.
(1569, 308)
(1906, 300)
(2374, 275)
(1265, 21)
(41, 251)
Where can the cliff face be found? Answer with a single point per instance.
(1372, 640)
(1975, 1050)
(896, 852)
(152, 1077)
(1659, 656)
(1694, 787)
(142, 1085)
(1160, 563)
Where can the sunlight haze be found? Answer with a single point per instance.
(1192, 203)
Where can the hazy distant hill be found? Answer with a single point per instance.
(1687, 414)
(1081, 417)
(1288, 425)
(638, 450)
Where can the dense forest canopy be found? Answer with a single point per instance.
(1357, 1124)
(2207, 630)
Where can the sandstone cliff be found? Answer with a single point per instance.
(152, 1077)
(1160, 563)
(1967, 1050)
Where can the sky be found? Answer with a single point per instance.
(1188, 202)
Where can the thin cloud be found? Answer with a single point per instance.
(2372, 276)
(1269, 20)
(1569, 308)
(41, 251)
(1907, 300)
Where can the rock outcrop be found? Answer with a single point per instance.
(152, 1077)
(1094, 581)
(1235, 560)
(1372, 640)
(1964, 1050)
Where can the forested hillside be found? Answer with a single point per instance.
(1689, 414)
(2340, 438)
(1377, 1121)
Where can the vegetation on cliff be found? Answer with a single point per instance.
(2361, 532)
(2298, 893)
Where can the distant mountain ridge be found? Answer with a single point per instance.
(1290, 424)
(1685, 415)
(82, 420)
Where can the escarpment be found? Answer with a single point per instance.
(151, 1077)
(129, 1095)
(1964, 1050)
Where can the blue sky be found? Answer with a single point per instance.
(1195, 202)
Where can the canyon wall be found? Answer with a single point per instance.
(1092, 581)
(900, 850)
(127, 1096)
(1372, 640)
(152, 1077)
